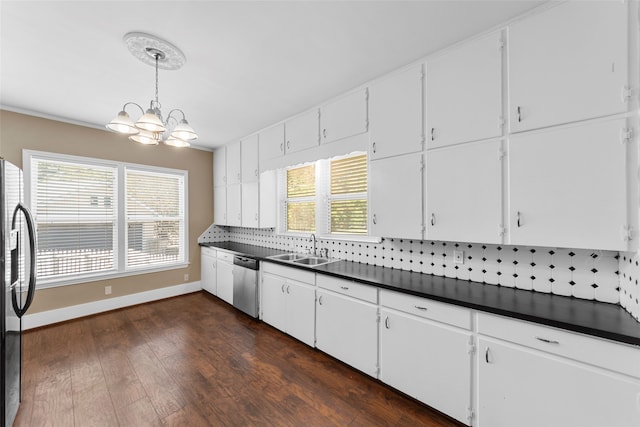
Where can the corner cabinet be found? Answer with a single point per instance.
(288, 299)
(344, 117)
(347, 322)
(530, 375)
(396, 114)
(568, 63)
(464, 93)
(568, 187)
(426, 351)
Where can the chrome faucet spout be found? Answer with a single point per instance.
(313, 237)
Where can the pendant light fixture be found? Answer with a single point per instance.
(151, 128)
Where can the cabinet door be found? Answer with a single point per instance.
(346, 328)
(273, 301)
(344, 117)
(567, 187)
(302, 132)
(395, 189)
(268, 199)
(219, 167)
(233, 163)
(234, 205)
(271, 142)
(568, 63)
(250, 216)
(220, 205)
(427, 361)
(301, 311)
(523, 387)
(249, 159)
(464, 93)
(464, 193)
(395, 114)
(208, 273)
(225, 281)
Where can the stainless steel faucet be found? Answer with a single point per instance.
(313, 236)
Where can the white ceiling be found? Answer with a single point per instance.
(249, 63)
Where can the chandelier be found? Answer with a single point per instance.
(151, 128)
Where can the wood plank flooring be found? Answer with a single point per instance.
(193, 360)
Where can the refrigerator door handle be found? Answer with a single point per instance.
(32, 260)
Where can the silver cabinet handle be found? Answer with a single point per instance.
(256, 217)
(288, 144)
(548, 341)
(288, 289)
(255, 172)
(420, 307)
(374, 219)
(386, 323)
(433, 134)
(282, 289)
(282, 146)
(320, 300)
(324, 133)
(346, 288)
(518, 223)
(519, 115)
(486, 355)
(373, 147)
(433, 219)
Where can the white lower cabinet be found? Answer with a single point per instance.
(347, 328)
(208, 271)
(289, 304)
(224, 276)
(427, 360)
(524, 386)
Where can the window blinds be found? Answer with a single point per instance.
(348, 195)
(300, 200)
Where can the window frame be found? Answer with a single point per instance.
(121, 269)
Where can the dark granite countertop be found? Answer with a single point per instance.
(589, 317)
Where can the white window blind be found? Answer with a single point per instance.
(97, 219)
(155, 218)
(75, 209)
(348, 199)
(300, 200)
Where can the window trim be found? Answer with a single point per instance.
(122, 270)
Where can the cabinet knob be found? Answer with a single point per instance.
(255, 172)
(288, 145)
(324, 133)
(373, 147)
(433, 134)
(374, 219)
(486, 355)
(433, 219)
(519, 114)
(282, 146)
(288, 289)
(320, 300)
(386, 323)
(518, 222)
(282, 289)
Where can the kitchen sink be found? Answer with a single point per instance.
(301, 259)
(288, 257)
(312, 260)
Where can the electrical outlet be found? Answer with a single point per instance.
(186, 277)
(458, 257)
(107, 290)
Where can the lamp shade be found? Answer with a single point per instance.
(145, 137)
(123, 124)
(184, 131)
(151, 122)
(176, 142)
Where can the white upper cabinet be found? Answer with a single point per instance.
(395, 114)
(234, 205)
(464, 95)
(250, 205)
(344, 117)
(220, 205)
(249, 160)
(568, 63)
(567, 187)
(464, 193)
(268, 199)
(271, 143)
(233, 163)
(301, 132)
(219, 167)
(395, 197)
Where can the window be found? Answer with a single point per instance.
(97, 219)
(328, 197)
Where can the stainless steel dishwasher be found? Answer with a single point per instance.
(245, 285)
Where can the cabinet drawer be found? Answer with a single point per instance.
(289, 272)
(225, 256)
(347, 287)
(599, 352)
(428, 309)
(205, 251)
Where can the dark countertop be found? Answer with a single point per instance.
(599, 319)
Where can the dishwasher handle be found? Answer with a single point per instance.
(245, 262)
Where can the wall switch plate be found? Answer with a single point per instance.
(107, 290)
(458, 257)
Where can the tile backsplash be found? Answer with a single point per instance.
(605, 276)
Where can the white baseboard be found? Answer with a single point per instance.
(30, 321)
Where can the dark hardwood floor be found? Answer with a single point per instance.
(193, 360)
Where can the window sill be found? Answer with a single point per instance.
(75, 280)
(340, 238)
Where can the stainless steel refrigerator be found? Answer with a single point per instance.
(17, 273)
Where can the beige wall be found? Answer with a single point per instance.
(18, 132)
